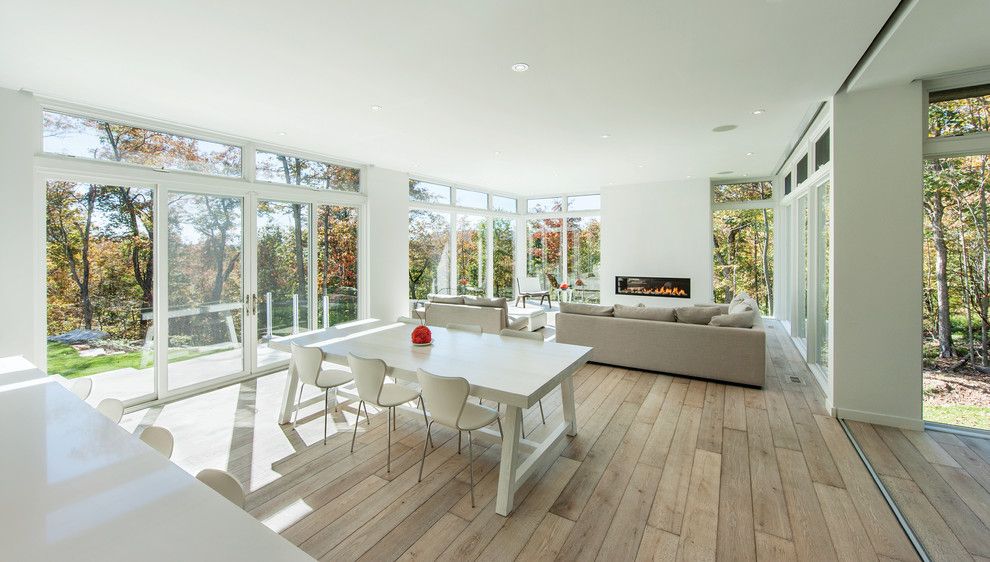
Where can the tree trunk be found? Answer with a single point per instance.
(936, 211)
(766, 260)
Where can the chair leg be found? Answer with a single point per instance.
(298, 401)
(429, 437)
(357, 422)
(326, 413)
(522, 424)
(542, 417)
(393, 418)
(366, 416)
(471, 466)
(499, 420)
(336, 401)
(388, 455)
(458, 441)
(425, 446)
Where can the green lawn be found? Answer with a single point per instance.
(966, 416)
(64, 360)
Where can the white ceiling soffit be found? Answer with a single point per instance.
(933, 38)
(616, 93)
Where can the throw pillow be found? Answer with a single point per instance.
(586, 309)
(740, 307)
(696, 314)
(656, 313)
(483, 301)
(445, 299)
(735, 320)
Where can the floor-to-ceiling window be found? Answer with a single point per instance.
(174, 277)
(956, 274)
(584, 258)
(461, 241)
(563, 245)
(803, 220)
(544, 252)
(742, 242)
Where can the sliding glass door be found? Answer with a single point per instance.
(205, 288)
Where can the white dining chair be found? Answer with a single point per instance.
(82, 388)
(224, 484)
(473, 328)
(447, 399)
(308, 362)
(369, 377)
(407, 320)
(111, 408)
(535, 336)
(159, 439)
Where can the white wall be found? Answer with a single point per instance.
(388, 237)
(877, 245)
(657, 229)
(20, 224)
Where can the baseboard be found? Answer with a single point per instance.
(880, 419)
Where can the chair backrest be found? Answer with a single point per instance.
(82, 388)
(522, 334)
(308, 362)
(369, 376)
(160, 439)
(111, 408)
(529, 285)
(224, 484)
(473, 328)
(444, 397)
(407, 320)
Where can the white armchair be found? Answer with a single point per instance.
(530, 287)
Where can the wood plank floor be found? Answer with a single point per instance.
(939, 481)
(662, 468)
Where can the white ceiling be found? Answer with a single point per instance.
(934, 38)
(655, 75)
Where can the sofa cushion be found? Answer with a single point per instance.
(483, 301)
(657, 313)
(445, 299)
(696, 314)
(742, 306)
(742, 319)
(586, 309)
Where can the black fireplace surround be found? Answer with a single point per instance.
(672, 287)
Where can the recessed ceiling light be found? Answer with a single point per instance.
(750, 153)
(498, 153)
(725, 173)
(281, 133)
(606, 135)
(689, 177)
(376, 108)
(520, 67)
(724, 128)
(640, 166)
(759, 111)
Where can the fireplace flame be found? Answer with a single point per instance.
(658, 291)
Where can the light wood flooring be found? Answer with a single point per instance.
(663, 467)
(939, 481)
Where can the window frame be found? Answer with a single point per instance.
(303, 156)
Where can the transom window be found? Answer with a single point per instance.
(471, 199)
(958, 112)
(291, 170)
(426, 192)
(99, 139)
(584, 202)
(545, 205)
(504, 204)
(749, 191)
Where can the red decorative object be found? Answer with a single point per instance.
(463, 282)
(564, 286)
(422, 335)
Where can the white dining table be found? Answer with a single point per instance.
(516, 372)
(76, 486)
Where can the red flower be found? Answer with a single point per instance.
(422, 334)
(564, 286)
(463, 281)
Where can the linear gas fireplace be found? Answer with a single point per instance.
(676, 287)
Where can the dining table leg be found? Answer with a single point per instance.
(291, 385)
(570, 413)
(507, 468)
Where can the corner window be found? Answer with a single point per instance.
(823, 149)
(749, 191)
(802, 169)
(98, 139)
(545, 205)
(959, 112)
(290, 170)
(787, 184)
(504, 204)
(584, 203)
(470, 199)
(426, 192)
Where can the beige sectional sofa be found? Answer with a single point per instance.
(667, 345)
